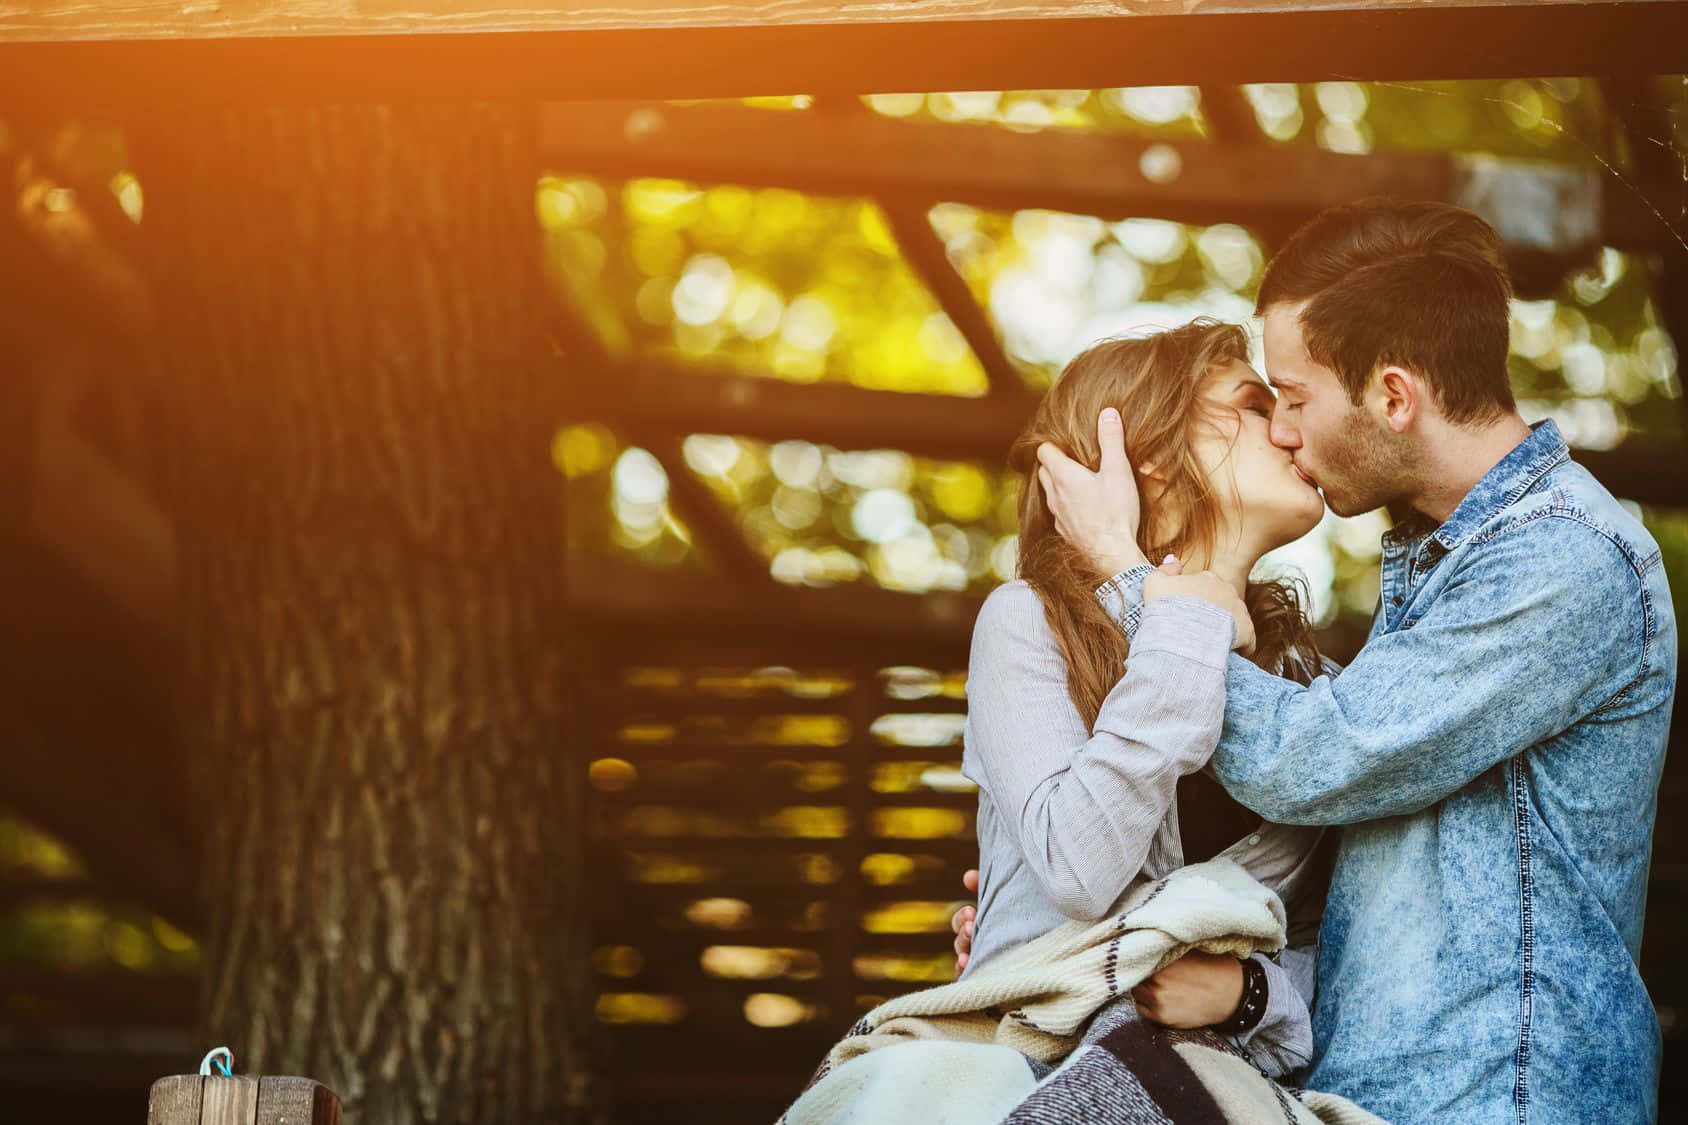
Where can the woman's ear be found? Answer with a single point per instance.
(1150, 471)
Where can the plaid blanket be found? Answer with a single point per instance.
(1140, 1074)
(985, 1048)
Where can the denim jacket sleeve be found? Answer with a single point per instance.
(1084, 805)
(1539, 624)
(1282, 1042)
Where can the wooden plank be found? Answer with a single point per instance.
(628, 705)
(1090, 173)
(714, 527)
(175, 1100)
(69, 20)
(152, 50)
(675, 399)
(1270, 188)
(682, 751)
(286, 1100)
(750, 793)
(941, 426)
(906, 627)
(639, 706)
(1228, 116)
(702, 847)
(76, 20)
(925, 251)
(230, 1100)
(942, 888)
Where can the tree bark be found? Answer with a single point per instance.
(375, 697)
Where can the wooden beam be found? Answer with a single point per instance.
(925, 252)
(712, 525)
(1228, 115)
(1270, 188)
(657, 397)
(1089, 173)
(162, 50)
(842, 621)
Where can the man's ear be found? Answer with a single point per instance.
(1401, 397)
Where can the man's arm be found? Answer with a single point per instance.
(1540, 627)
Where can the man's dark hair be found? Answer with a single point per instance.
(1422, 285)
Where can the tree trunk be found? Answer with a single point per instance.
(375, 699)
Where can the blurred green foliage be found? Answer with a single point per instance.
(804, 288)
(63, 923)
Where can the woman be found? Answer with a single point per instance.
(1080, 743)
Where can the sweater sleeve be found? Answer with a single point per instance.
(1084, 805)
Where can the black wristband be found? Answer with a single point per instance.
(1252, 1007)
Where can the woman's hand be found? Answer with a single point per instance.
(1170, 581)
(1096, 512)
(1197, 990)
(961, 922)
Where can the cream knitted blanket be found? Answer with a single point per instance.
(1038, 998)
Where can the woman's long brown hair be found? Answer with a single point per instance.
(1155, 382)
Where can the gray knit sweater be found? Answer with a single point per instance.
(1071, 818)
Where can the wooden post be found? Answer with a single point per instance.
(374, 625)
(192, 1099)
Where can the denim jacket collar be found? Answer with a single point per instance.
(1502, 485)
(1514, 475)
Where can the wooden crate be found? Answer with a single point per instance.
(193, 1099)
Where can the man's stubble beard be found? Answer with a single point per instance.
(1365, 466)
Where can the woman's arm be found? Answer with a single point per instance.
(1084, 805)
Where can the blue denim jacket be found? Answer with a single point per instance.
(1494, 754)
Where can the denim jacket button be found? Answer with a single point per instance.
(1253, 840)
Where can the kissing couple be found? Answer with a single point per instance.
(1431, 906)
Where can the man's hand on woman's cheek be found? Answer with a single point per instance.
(1096, 512)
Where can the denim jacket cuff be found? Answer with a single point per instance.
(1122, 598)
(1283, 1039)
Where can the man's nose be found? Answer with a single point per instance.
(1282, 431)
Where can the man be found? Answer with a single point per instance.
(1493, 753)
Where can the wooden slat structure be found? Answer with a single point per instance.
(778, 825)
(287, 49)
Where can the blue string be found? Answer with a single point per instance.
(218, 1059)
